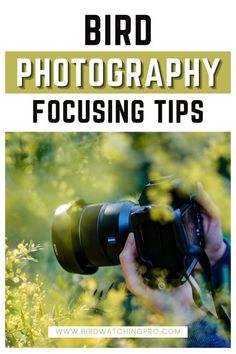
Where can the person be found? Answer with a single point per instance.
(179, 301)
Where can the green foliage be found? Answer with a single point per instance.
(48, 169)
(44, 170)
(32, 305)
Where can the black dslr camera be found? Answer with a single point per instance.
(87, 236)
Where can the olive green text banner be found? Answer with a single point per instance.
(117, 72)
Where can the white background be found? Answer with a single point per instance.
(56, 25)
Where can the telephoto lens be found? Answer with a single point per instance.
(88, 236)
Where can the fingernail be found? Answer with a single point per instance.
(131, 238)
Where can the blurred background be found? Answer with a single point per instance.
(44, 170)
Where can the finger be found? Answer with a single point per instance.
(206, 202)
(153, 298)
(134, 280)
(128, 258)
(198, 267)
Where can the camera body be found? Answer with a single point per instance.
(86, 236)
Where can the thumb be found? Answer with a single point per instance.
(206, 202)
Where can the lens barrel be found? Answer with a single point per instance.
(88, 236)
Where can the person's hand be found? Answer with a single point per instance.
(214, 244)
(177, 302)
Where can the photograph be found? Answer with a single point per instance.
(124, 231)
(116, 161)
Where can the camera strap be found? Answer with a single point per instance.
(218, 310)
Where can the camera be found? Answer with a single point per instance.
(87, 236)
